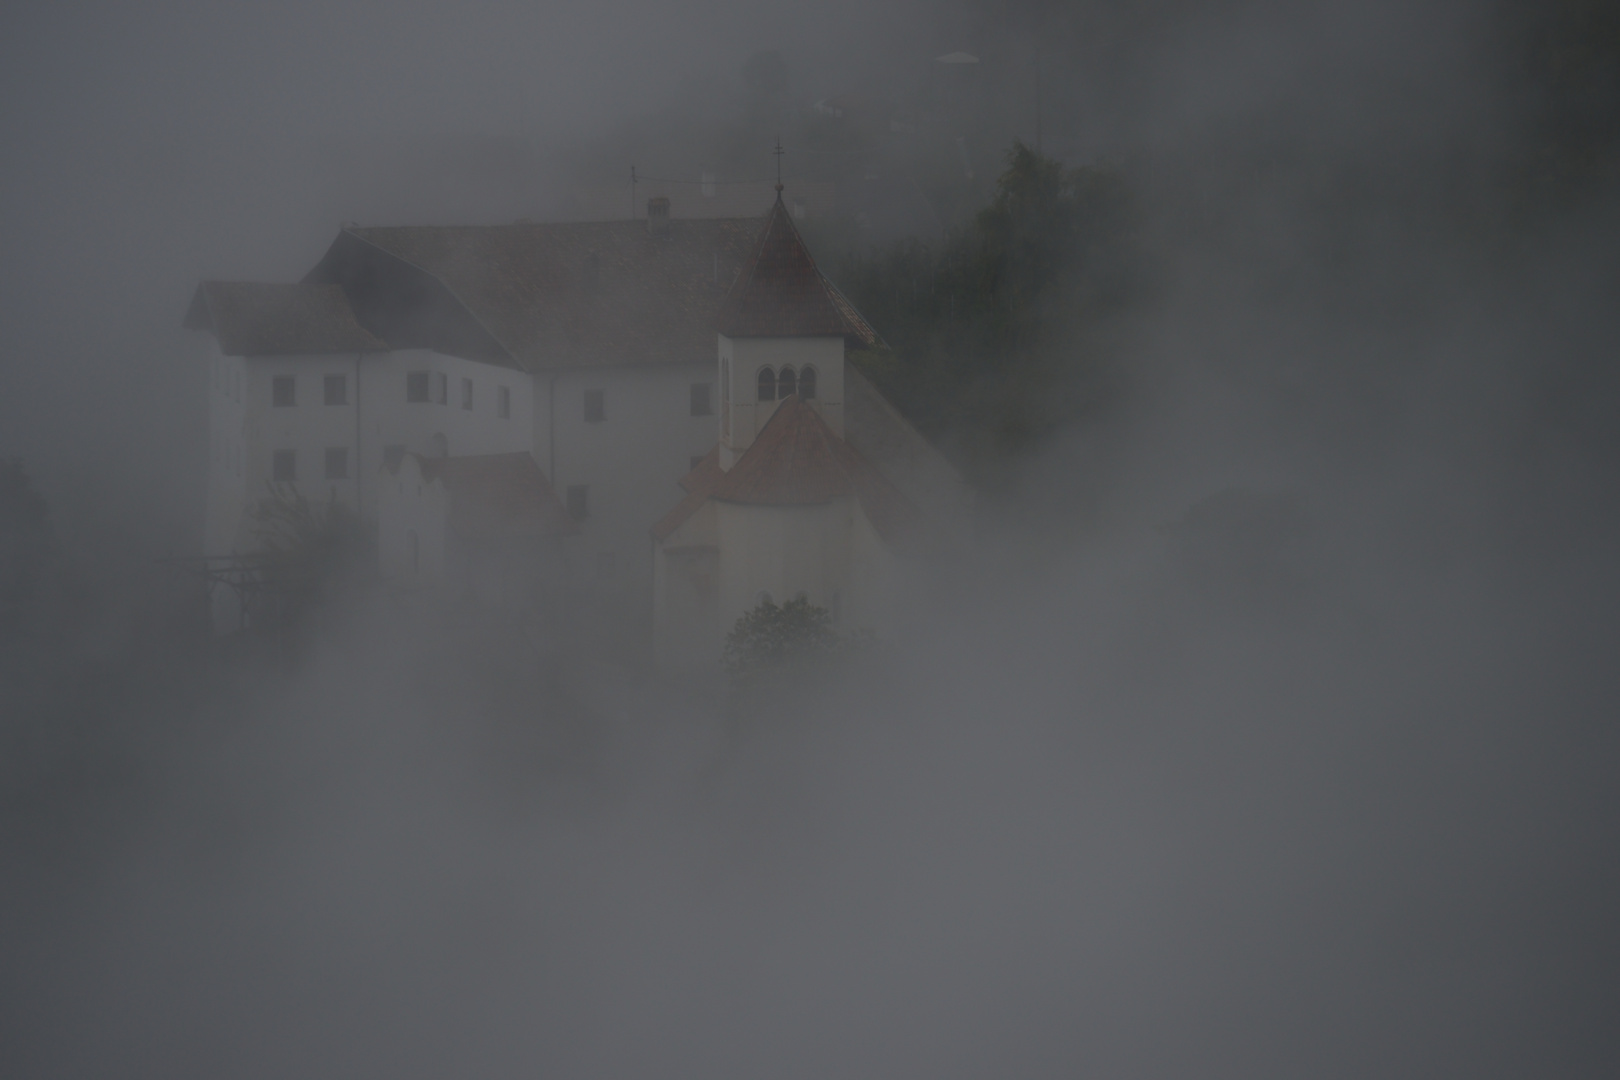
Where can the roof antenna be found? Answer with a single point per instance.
(778, 151)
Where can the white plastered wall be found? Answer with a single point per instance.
(227, 450)
(407, 505)
(744, 357)
(247, 428)
(630, 461)
(783, 551)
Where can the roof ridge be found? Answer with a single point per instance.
(353, 230)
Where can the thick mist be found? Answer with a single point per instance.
(1266, 731)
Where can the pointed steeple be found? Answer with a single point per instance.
(781, 293)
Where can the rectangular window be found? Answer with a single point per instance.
(337, 463)
(466, 393)
(282, 391)
(577, 506)
(283, 467)
(503, 403)
(441, 388)
(416, 387)
(701, 405)
(595, 409)
(336, 389)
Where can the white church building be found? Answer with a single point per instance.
(626, 360)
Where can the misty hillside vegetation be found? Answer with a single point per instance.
(1001, 332)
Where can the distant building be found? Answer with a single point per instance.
(572, 370)
(785, 505)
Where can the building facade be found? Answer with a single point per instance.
(618, 355)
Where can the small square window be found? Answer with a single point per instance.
(283, 391)
(466, 393)
(595, 407)
(283, 466)
(701, 394)
(336, 389)
(441, 388)
(503, 403)
(416, 387)
(577, 506)
(337, 463)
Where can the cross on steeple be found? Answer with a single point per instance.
(778, 151)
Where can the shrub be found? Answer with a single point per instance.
(773, 636)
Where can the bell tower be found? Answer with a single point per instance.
(782, 333)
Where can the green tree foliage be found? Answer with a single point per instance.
(776, 637)
(1000, 334)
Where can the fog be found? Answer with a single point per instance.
(1267, 729)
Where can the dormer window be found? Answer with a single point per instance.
(807, 383)
(786, 384)
(767, 384)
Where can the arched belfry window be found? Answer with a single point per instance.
(786, 384)
(807, 383)
(767, 384)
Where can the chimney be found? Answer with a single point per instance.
(658, 215)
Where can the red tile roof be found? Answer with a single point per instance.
(797, 460)
(781, 293)
(699, 484)
(499, 495)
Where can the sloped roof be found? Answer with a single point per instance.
(253, 318)
(781, 293)
(699, 484)
(881, 435)
(570, 294)
(493, 496)
(797, 460)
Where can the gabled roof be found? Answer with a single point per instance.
(781, 293)
(252, 318)
(542, 296)
(556, 295)
(494, 496)
(797, 460)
